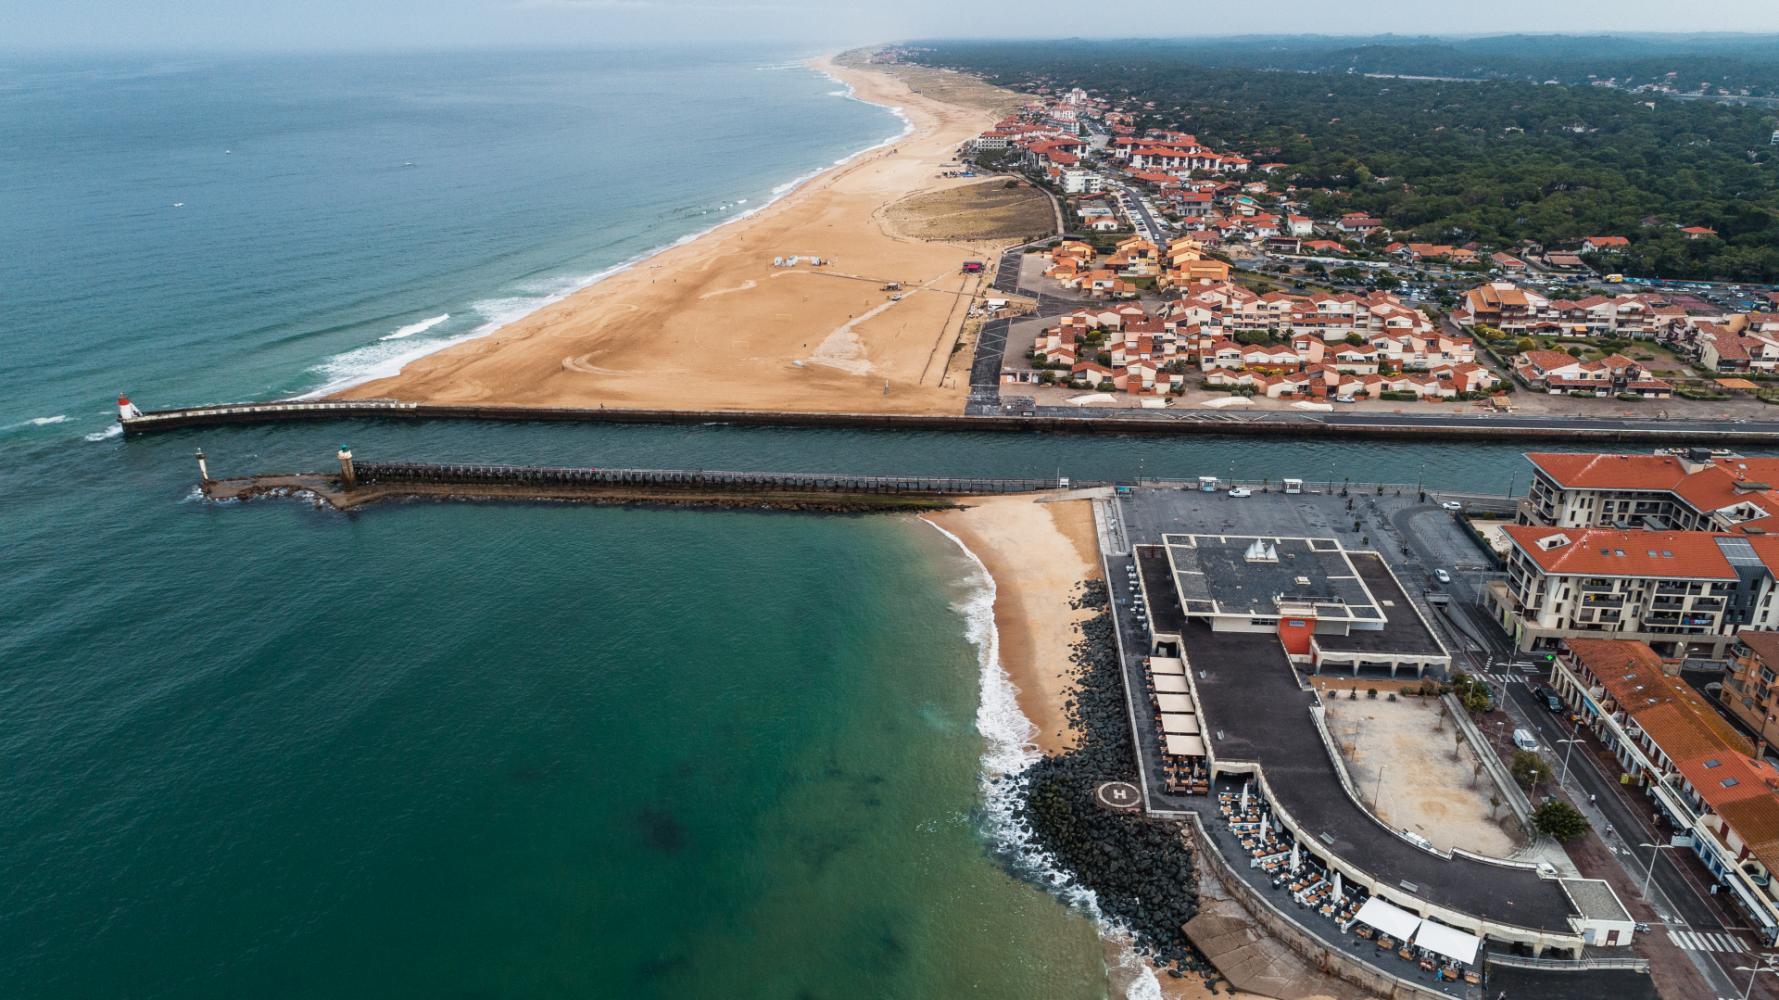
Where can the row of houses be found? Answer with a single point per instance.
(1560, 373)
(1322, 345)
(1077, 265)
(1705, 781)
(1716, 338)
(1524, 312)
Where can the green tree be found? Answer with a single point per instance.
(1559, 820)
(1529, 769)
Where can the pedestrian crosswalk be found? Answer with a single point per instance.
(1707, 941)
(1505, 678)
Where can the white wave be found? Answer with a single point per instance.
(1008, 753)
(110, 432)
(420, 327)
(39, 422)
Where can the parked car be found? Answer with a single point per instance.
(1240, 492)
(1550, 699)
(1442, 576)
(1524, 740)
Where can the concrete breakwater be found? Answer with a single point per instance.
(1598, 430)
(357, 484)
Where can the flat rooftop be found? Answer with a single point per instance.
(1250, 575)
(1253, 709)
(1404, 631)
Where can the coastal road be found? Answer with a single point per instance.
(1683, 899)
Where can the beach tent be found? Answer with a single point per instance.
(1174, 723)
(1392, 920)
(1166, 665)
(1180, 745)
(1448, 941)
(1170, 684)
(1174, 703)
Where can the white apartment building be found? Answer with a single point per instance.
(1685, 593)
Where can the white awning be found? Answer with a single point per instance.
(1185, 746)
(1159, 665)
(1174, 703)
(1392, 920)
(1448, 941)
(1177, 723)
(1165, 684)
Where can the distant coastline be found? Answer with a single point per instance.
(746, 334)
(393, 366)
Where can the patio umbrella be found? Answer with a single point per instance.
(1337, 893)
(1294, 859)
(1265, 825)
(1244, 798)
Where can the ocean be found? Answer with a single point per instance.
(516, 751)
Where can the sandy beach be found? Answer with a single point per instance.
(714, 324)
(1039, 550)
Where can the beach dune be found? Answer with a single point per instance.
(713, 324)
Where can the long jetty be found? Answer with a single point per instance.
(360, 483)
(1604, 430)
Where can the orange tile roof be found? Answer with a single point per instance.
(1756, 820)
(1618, 472)
(1725, 778)
(1630, 671)
(1691, 555)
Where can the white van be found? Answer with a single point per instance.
(1524, 740)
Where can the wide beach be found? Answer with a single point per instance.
(714, 324)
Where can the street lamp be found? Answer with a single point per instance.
(1754, 971)
(1655, 856)
(1563, 781)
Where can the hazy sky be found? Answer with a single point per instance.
(361, 24)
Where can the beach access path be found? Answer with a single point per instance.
(714, 324)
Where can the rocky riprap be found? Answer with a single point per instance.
(1140, 869)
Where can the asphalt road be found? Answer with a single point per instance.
(1681, 895)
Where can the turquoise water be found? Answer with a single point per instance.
(479, 751)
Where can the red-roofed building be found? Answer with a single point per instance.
(1704, 779)
(1751, 689)
(1694, 491)
(1684, 592)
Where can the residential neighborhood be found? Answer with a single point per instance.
(1197, 276)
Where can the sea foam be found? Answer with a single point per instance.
(420, 327)
(105, 435)
(1008, 753)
